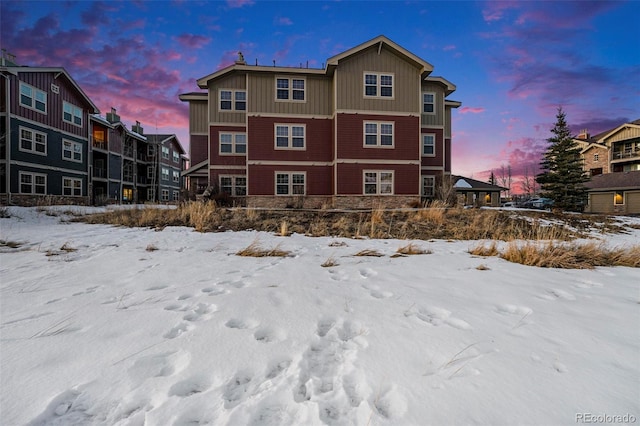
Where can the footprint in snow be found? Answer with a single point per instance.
(277, 367)
(185, 296)
(514, 310)
(200, 312)
(561, 294)
(437, 316)
(324, 325)
(178, 330)
(242, 323)
(190, 386)
(237, 388)
(269, 334)
(367, 272)
(214, 291)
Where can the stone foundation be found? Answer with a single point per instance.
(43, 200)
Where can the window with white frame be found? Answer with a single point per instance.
(151, 194)
(72, 151)
(33, 183)
(292, 183)
(290, 136)
(428, 186)
(165, 195)
(378, 134)
(33, 98)
(151, 150)
(176, 157)
(165, 152)
(232, 100)
(176, 176)
(290, 89)
(233, 143)
(71, 186)
(596, 157)
(71, 114)
(378, 182)
(165, 173)
(429, 103)
(429, 145)
(235, 186)
(150, 173)
(32, 141)
(377, 85)
(176, 195)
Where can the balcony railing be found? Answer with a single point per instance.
(127, 177)
(98, 144)
(142, 180)
(100, 173)
(627, 153)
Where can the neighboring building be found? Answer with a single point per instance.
(614, 154)
(55, 148)
(617, 193)
(476, 193)
(45, 128)
(371, 128)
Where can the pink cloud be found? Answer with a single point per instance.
(239, 3)
(472, 110)
(449, 47)
(283, 21)
(193, 41)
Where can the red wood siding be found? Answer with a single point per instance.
(198, 150)
(214, 147)
(438, 160)
(318, 179)
(318, 139)
(406, 178)
(351, 137)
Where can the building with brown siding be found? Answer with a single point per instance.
(372, 127)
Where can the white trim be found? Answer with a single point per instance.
(33, 141)
(290, 136)
(422, 145)
(72, 187)
(42, 167)
(422, 186)
(289, 183)
(378, 181)
(301, 116)
(33, 96)
(372, 112)
(72, 151)
(435, 101)
(289, 163)
(233, 100)
(376, 161)
(234, 184)
(33, 184)
(379, 85)
(378, 134)
(234, 144)
(225, 167)
(290, 89)
(74, 110)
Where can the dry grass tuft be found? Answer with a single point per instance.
(484, 251)
(284, 229)
(255, 250)
(151, 247)
(369, 252)
(330, 262)
(67, 248)
(483, 267)
(10, 244)
(411, 249)
(337, 244)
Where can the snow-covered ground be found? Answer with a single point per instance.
(107, 332)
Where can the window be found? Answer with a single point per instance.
(151, 150)
(32, 141)
(429, 103)
(378, 182)
(72, 151)
(429, 145)
(378, 134)
(165, 195)
(71, 186)
(290, 136)
(176, 176)
(71, 114)
(290, 183)
(33, 183)
(596, 157)
(176, 157)
(618, 199)
(151, 194)
(290, 89)
(235, 186)
(33, 98)
(176, 195)
(165, 152)
(233, 143)
(233, 100)
(378, 85)
(165, 173)
(150, 174)
(428, 186)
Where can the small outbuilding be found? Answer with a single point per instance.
(617, 193)
(476, 193)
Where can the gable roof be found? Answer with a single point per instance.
(614, 181)
(464, 183)
(59, 71)
(382, 41)
(162, 138)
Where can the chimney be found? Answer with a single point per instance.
(584, 134)
(112, 117)
(138, 128)
(240, 60)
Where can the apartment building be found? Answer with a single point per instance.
(370, 128)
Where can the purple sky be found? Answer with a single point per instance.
(514, 62)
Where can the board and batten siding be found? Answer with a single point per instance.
(624, 135)
(437, 119)
(632, 199)
(198, 119)
(349, 80)
(234, 81)
(262, 95)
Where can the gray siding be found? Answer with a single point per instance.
(350, 82)
(198, 120)
(437, 119)
(234, 81)
(262, 95)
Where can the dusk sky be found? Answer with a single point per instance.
(513, 62)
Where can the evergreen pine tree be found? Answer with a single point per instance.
(562, 178)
